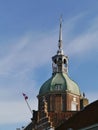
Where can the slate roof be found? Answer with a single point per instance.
(87, 117)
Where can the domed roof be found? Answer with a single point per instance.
(60, 82)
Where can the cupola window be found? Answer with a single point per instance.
(58, 87)
(64, 61)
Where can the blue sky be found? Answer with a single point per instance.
(28, 39)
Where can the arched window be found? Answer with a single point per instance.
(55, 61)
(64, 61)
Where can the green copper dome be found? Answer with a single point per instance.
(60, 82)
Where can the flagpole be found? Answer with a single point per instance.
(26, 97)
(29, 107)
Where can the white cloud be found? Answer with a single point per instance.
(85, 42)
(26, 54)
(16, 111)
(19, 59)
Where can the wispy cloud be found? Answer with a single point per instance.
(85, 42)
(17, 62)
(26, 53)
(16, 111)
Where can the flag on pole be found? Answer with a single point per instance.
(25, 96)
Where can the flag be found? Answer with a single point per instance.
(25, 96)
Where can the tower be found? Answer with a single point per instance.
(62, 94)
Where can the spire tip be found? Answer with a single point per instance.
(60, 37)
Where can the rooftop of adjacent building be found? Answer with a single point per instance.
(84, 118)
